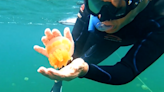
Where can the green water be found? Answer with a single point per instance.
(22, 24)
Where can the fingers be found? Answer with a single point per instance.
(44, 72)
(44, 40)
(40, 50)
(48, 34)
(56, 33)
(50, 73)
(53, 72)
(68, 34)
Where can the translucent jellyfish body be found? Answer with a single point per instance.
(59, 52)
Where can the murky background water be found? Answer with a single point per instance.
(22, 24)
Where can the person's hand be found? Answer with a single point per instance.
(50, 35)
(76, 68)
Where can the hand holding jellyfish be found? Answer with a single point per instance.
(58, 49)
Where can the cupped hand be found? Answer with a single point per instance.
(50, 35)
(75, 69)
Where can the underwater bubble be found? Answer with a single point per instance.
(26, 78)
(144, 87)
(145, 78)
(138, 85)
(13, 84)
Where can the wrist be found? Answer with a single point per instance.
(84, 69)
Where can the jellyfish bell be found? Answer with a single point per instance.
(60, 50)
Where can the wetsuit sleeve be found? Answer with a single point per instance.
(141, 55)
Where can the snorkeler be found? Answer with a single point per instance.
(115, 23)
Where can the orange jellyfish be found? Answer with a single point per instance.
(59, 51)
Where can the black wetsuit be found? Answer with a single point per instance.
(145, 33)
